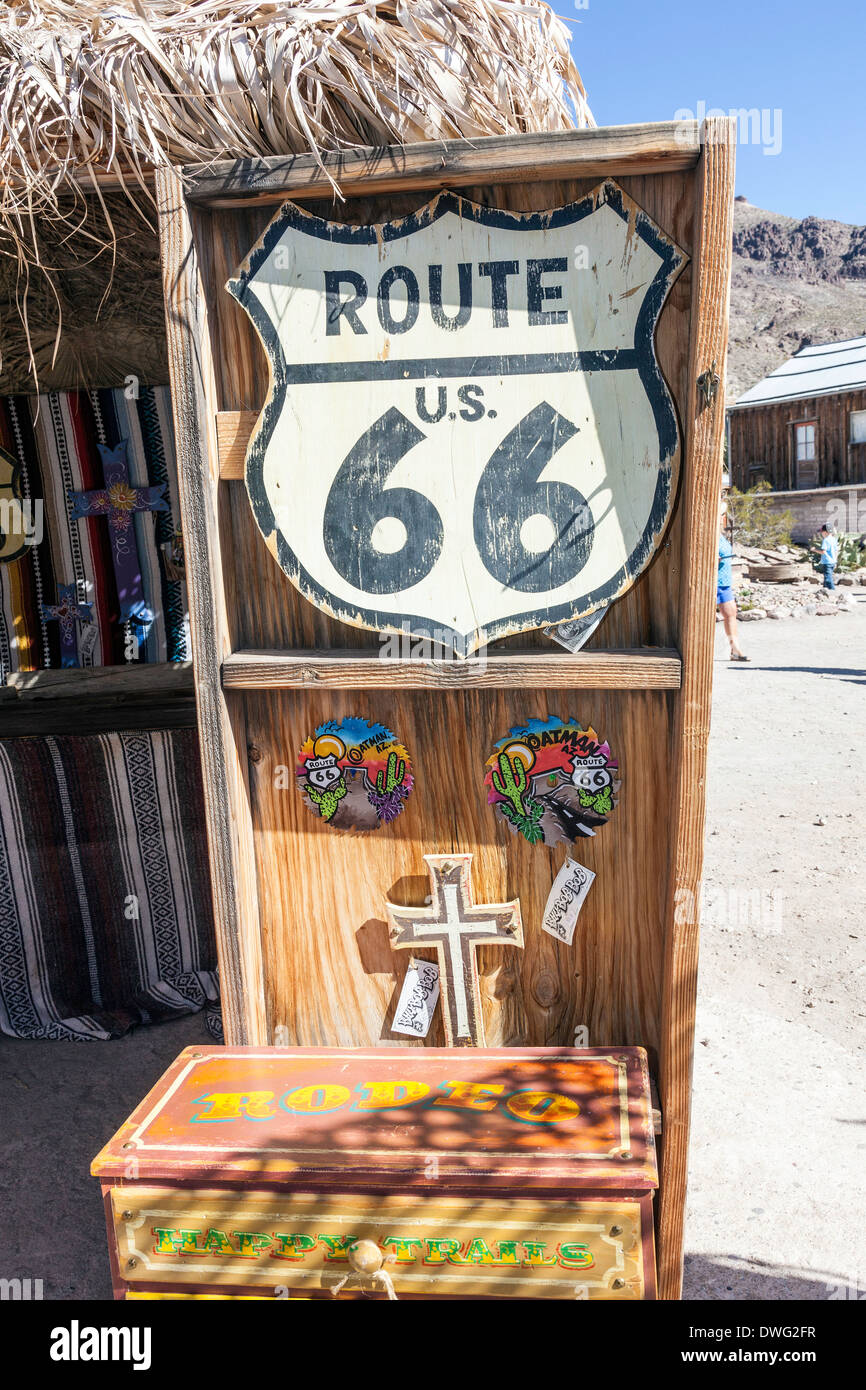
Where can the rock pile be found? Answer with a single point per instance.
(798, 593)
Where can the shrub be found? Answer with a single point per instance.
(757, 519)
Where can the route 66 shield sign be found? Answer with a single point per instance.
(467, 433)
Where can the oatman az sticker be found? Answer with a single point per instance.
(467, 434)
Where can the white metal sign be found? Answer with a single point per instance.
(468, 434)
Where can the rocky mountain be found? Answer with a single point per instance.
(793, 281)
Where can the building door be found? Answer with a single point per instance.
(805, 457)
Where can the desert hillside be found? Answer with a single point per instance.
(792, 281)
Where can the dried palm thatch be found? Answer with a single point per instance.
(103, 286)
(94, 89)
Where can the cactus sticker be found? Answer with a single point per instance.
(552, 780)
(354, 775)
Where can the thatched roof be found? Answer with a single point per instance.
(95, 89)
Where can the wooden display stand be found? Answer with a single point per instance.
(300, 911)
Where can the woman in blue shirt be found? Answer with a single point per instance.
(727, 604)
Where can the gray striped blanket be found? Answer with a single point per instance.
(105, 908)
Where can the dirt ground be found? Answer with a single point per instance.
(778, 1135)
(778, 1128)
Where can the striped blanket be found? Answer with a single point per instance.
(61, 445)
(105, 911)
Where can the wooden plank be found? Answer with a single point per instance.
(94, 682)
(28, 719)
(338, 984)
(648, 669)
(223, 736)
(233, 430)
(629, 149)
(700, 505)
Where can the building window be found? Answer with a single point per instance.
(805, 435)
(805, 458)
(857, 432)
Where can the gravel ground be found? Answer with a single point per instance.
(778, 1122)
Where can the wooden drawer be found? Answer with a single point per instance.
(442, 1246)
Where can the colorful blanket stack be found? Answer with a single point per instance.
(98, 577)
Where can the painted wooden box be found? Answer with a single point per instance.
(514, 1172)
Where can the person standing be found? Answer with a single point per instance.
(725, 601)
(829, 556)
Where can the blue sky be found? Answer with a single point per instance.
(645, 61)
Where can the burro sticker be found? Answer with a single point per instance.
(354, 775)
(467, 434)
(552, 780)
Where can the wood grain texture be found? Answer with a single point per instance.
(700, 505)
(333, 978)
(647, 669)
(114, 715)
(630, 149)
(158, 695)
(233, 430)
(330, 976)
(158, 677)
(264, 611)
(222, 738)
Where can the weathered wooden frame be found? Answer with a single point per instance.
(673, 681)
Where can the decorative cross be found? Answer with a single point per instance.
(117, 501)
(68, 612)
(455, 926)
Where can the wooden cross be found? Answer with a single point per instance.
(455, 926)
(118, 500)
(68, 612)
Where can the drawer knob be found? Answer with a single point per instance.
(368, 1265)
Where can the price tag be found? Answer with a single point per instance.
(87, 643)
(567, 897)
(418, 999)
(574, 635)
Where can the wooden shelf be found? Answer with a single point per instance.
(98, 699)
(101, 682)
(645, 668)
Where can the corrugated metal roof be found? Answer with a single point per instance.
(821, 370)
